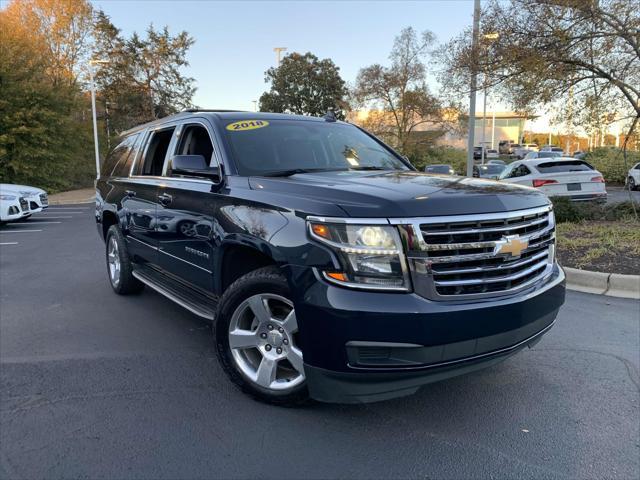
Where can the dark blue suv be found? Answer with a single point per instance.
(329, 267)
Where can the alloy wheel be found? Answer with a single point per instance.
(113, 261)
(263, 342)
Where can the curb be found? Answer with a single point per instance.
(611, 284)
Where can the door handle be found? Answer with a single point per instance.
(165, 199)
(130, 193)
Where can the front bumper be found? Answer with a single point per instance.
(364, 346)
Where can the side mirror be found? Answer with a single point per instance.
(194, 166)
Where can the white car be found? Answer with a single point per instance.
(633, 177)
(13, 207)
(522, 151)
(542, 154)
(558, 177)
(492, 154)
(552, 148)
(37, 198)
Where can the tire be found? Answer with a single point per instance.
(265, 361)
(632, 184)
(119, 265)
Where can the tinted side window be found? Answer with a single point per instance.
(518, 171)
(195, 140)
(123, 167)
(118, 155)
(156, 152)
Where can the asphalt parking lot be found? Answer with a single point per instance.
(621, 194)
(94, 385)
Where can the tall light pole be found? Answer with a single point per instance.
(493, 126)
(279, 51)
(93, 112)
(473, 87)
(487, 36)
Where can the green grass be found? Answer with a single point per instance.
(593, 244)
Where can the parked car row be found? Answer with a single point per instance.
(20, 201)
(548, 171)
(558, 177)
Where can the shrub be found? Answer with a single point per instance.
(455, 157)
(567, 211)
(610, 162)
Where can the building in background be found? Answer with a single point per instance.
(498, 126)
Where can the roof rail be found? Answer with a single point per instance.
(193, 110)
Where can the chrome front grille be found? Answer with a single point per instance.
(471, 256)
(44, 199)
(24, 204)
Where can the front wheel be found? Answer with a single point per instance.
(632, 184)
(257, 337)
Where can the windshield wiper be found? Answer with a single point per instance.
(295, 171)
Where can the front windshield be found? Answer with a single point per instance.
(276, 147)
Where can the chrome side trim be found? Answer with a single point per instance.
(129, 237)
(183, 260)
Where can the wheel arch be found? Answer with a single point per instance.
(238, 256)
(108, 218)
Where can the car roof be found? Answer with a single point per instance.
(224, 116)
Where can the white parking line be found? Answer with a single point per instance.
(8, 243)
(68, 208)
(18, 231)
(47, 216)
(30, 222)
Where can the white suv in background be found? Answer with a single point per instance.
(558, 177)
(633, 177)
(37, 197)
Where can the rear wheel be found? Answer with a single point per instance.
(632, 183)
(119, 266)
(257, 338)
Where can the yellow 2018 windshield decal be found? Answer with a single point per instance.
(247, 125)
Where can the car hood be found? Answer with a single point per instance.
(20, 189)
(395, 194)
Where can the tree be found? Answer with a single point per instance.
(42, 139)
(141, 79)
(581, 55)
(65, 28)
(304, 85)
(397, 97)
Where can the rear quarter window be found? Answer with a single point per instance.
(565, 166)
(117, 160)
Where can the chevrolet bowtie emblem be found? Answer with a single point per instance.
(512, 244)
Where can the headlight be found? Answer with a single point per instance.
(8, 197)
(371, 256)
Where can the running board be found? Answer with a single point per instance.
(189, 298)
